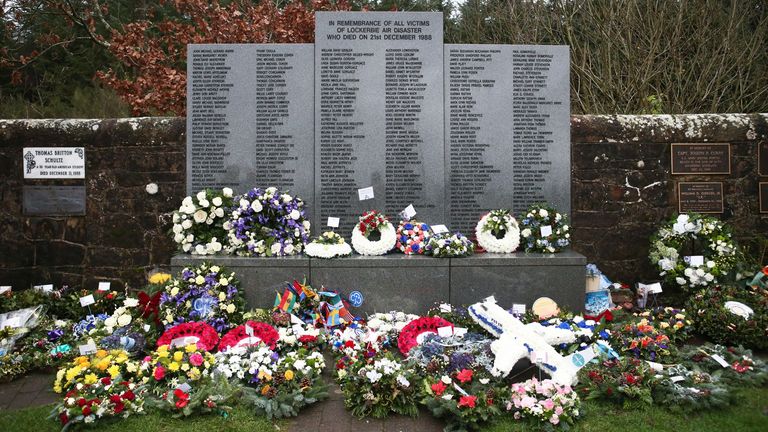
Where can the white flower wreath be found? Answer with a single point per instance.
(498, 222)
(198, 223)
(369, 222)
(716, 245)
(328, 245)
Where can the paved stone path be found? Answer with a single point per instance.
(34, 389)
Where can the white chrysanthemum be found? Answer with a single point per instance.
(364, 246)
(507, 244)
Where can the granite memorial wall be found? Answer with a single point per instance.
(399, 118)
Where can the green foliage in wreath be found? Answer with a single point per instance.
(713, 321)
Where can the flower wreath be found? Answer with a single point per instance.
(261, 333)
(412, 237)
(328, 245)
(198, 225)
(448, 245)
(373, 235)
(205, 293)
(411, 334)
(268, 223)
(541, 220)
(200, 334)
(498, 232)
(690, 232)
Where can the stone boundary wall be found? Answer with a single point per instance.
(621, 188)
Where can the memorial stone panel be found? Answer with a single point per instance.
(700, 197)
(53, 200)
(762, 156)
(702, 158)
(378, 114)
(249, 114)
(763, 197)
(507, 129)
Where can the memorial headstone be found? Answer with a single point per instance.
(249, 115)
(507, 129)
(455, 130)
(378, 117)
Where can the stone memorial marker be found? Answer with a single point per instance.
(763, 197)
(249, 115)
(507, 129)
(704, 158)
(762, 159)
(378, 113)
(700, 197)
(54, 162)
(53, 200)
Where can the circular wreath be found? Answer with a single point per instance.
(373, 234)
(238, 336)
(498, 232)
(268, 223)
(447, 245)
(697, 235)
(412, 237)
(540, 220)
(328, 245)
(198, 225)
(205, 293)
(201, 334)
(411, 334)
(712, 319)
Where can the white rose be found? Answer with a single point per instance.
(711, 264)
(110, 322)
(187, 224)
(295, 214)
(286, 198)
(227, 192)
(200, 249)
(565, 227)
(174, 291)
(216, 246)
(201, 195)
(176, 218)
(177, 229)
(275, 248)
(151, 188)
(124, 320)
(219, 212)
(200, 216)
(288, 249)
(306, 225)
(186, 247)
(230, 308)
(244, 204)
(256, 206)
(526, 233)
(178, 238)
(131, 302)
(217, 201)
(680, 281)
(543, 213)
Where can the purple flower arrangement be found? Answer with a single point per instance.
(267, 222)
(206, 293)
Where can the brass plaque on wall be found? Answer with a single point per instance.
(700, 197)
(700, 158)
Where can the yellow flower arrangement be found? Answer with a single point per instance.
(89, 369)
(159, 278)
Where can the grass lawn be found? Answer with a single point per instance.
(598, 417)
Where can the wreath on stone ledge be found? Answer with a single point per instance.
(373, 235)
(679, 241)
(498, 232)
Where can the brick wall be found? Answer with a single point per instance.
(621, 188)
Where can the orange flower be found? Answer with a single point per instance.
(633, 345)
(645, 342)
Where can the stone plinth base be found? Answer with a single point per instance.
(414, 283)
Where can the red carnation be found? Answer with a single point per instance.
(119, 407)
(128, 395)
(159, 373)
(115, 398)
(438, 388)
(81, 402)
(306, 339)
(464, 376)
(64, 418)
(349, 344)
(86, 410)
(467, 401)
(182, 399)
(106, 380)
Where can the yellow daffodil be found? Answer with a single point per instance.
(159, 278)
(289, 375)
